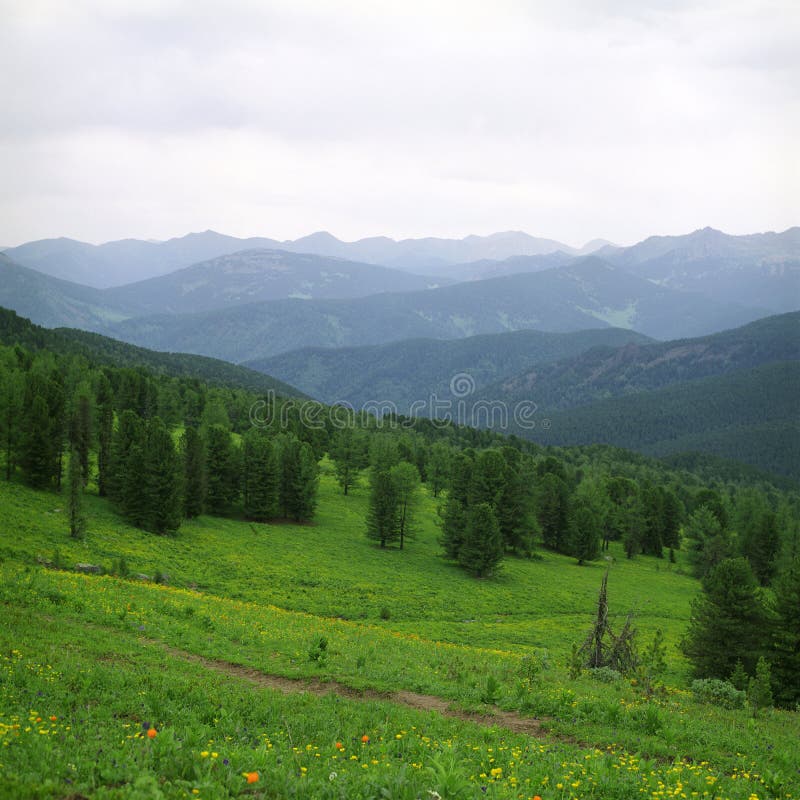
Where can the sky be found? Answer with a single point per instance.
(570, 120)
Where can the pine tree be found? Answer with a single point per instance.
(438, 467)
(653, 519)
(221, 470)
(786, 641)
(454, 512)
(482, 549)
(105, 433)
(299, 479)
(514, 504)
(11, 415)
(405, 478)
(161, 488)
(261, 477)
(77, 519)
(584, 531)
(728, 621)
(349, 454)
(759, 690)
(757, 528)
(194, 472)
(708, 543)
(80, 428)
(382, 512)
(552, 503)
(126, 468)
(37, 450)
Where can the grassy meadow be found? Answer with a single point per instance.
(119, 687)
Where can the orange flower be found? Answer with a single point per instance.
(339, 746)
(152, 733)
(365, 738)
(53, 718)
(252, 777)
(537, 797)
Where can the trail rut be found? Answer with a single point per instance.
(422, 702)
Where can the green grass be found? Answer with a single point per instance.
(103, 655)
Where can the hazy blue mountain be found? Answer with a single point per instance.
(514, 265)
(419, 369)
(589, 293)
(260, 275)
(104, 350)
(761, 269)
(132, 260)
(53, 302)
(127, 260)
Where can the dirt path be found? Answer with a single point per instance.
(421, 702)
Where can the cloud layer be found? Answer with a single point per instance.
(569, 120)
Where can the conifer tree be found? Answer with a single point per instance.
(708, 543)
(37, 451)
(299, 479)
(454, 512)
(80, 428)
(105, 433)
(382, 512)
(438, 467)
(261, 477)
(162, 480)
(126, 475)
(482, 548)
(348, 451)
(221, 470)
(194, 472)
(584, 531)
(77, 518)
(405, 478)
(759, 690)
(552, 503)
(11, 415)
(728, 622)
(786, 641)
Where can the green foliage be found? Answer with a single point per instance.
(261, 476)
(759, 689)
(299, 479)
(481, 550)
(348, 452)
(221, 469)
(195, 477)
(728, 621)
(718, 692)
(162, 486)
(786, 637)
(75, 512)
(382, 514)
(552, 503)
(708, 542)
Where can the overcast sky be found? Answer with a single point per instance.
(570, 119)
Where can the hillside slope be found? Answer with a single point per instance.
(604, 372)
(103, 350)
(422, 369)
(750, 415)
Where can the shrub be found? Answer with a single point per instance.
(713, 690)
(605, 674)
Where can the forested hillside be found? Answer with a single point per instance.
(421, 369)
(98, 349)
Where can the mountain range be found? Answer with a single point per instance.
(132, 260)
(587, 293)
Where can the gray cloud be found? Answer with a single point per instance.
(571, 120)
